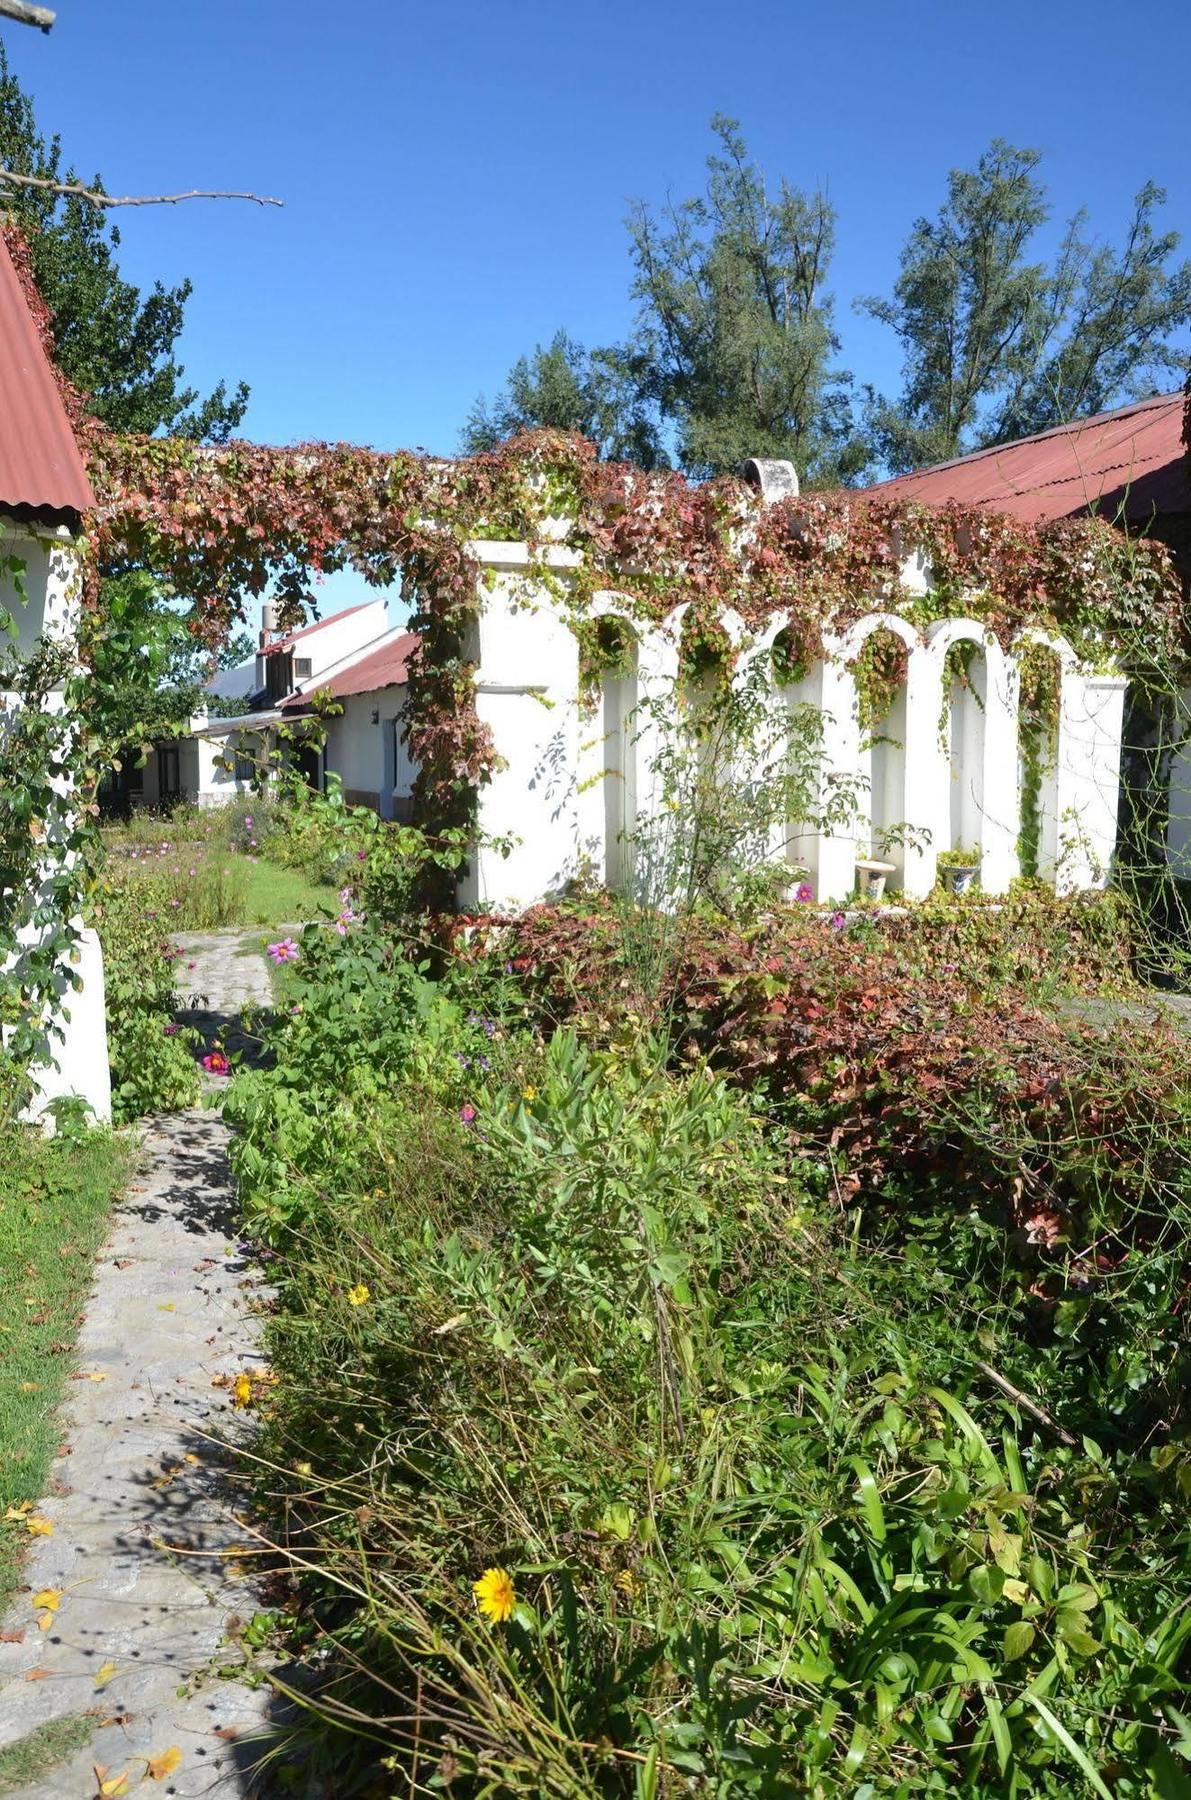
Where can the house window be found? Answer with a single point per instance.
(303, 668)
(245, 769)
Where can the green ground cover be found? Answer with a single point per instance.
(55, 1199)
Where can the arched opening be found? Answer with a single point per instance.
(1040, 678)
(796, 836)
(962, 727)
(879, 671)
(616, 646)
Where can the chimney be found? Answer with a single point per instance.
(268, 623)
(773, 478)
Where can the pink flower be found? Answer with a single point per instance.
(804, 891)
(838, 921)
(467, 1114)
(285, 950)
(171, 1030)
(216, 1063)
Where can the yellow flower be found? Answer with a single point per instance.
(242, 1390)
(529, 1093)
(494, 1595)
(356, 1296)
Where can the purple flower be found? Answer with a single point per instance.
(285, 950)
(467, 1114)
(361, 856)
(838, 921)
(171, 1030)
(804, 891)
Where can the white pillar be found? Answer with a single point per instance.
(1087, 777)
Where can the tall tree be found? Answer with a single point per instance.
(114, 342)
(735, 328)
(997, 344)
(733, 351)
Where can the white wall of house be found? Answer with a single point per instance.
(77, 1063)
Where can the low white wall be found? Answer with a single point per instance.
(952, 778)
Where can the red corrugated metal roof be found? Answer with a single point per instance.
(304, 631)
(382, 668)
(40, 465)
(1129, 463)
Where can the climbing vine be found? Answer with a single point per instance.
(879, 670)
(1041, 677)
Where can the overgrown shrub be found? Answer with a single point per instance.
(769, 1527)
(152, 1058)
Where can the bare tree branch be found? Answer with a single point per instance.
(103, 201)
(24, 14)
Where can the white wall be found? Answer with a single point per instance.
(950, 773)
(78, 1060)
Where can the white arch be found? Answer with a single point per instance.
(977, 787)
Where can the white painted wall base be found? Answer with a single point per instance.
(80, 1058)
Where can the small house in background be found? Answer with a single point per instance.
(44, 492)
(355, 660)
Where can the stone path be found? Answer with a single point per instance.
(141, 1499)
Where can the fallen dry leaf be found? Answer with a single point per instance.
(124, 1262)
(48, 1598)
(115, 1784)
(167, 1306)
(165, 1764)
(36, 1526)
(103, 1674)
(12, 1637)
(243, 1394)
(18, 1511)
(30, 1387)
(36, 1674)
(90, 1375)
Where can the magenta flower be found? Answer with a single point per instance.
(838, 921)
(171, 1030)
(216, 1063)
(285, 950)
(804, 891)
(467, 1114)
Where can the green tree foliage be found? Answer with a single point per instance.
(567, 388)
(733, 350)
(999, 343)
(734, 332)
(114, 342)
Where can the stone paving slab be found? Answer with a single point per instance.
(140, 1554)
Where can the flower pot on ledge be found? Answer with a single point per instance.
(960, 878)
(871, 876)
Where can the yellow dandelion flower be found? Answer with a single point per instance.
(357, 1295)
(626, 1581)
(529, 1093)
(494, 1595)
(242, 1390)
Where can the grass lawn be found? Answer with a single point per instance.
(275, 895)
(55, 1197)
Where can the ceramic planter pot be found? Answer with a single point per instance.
(961, 880)
(872, 875)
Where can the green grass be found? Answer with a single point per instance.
(39, 1752)
(55, 1198)
(276, 895)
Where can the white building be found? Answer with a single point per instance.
(353, 659)
(44, 492)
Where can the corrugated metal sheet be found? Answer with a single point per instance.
(305, 631)
(381, 668)
(40, 465)
(1129, 463)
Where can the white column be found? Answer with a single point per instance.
(1087, 777)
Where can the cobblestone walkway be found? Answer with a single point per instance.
(141, 1499)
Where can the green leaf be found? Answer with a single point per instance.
(1018, 1639)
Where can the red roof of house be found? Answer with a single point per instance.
(304, 631)
(41, 469)
(1130, 463)
(382, 668)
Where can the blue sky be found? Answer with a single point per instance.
(456, 176)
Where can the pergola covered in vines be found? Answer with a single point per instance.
(868, 588)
